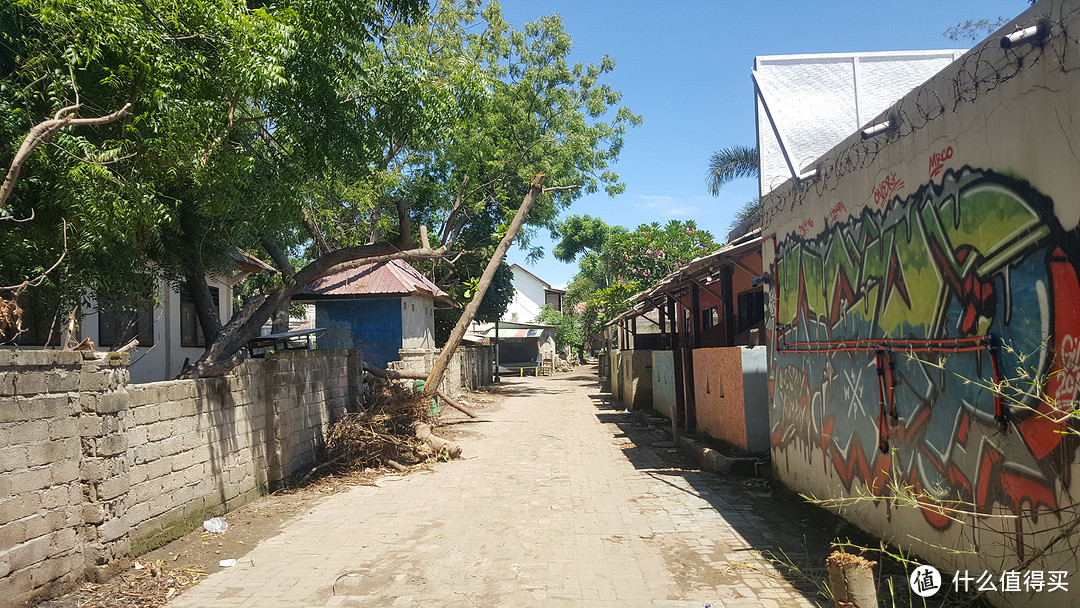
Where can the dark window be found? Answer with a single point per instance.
(119, 322)
(41, 321)
(751, 309)
(191, 332)
(710, 317)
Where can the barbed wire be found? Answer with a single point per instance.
(978, 72)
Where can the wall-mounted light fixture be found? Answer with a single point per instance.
(1032, 34)
(881, 128)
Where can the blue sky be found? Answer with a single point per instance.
(685, 67)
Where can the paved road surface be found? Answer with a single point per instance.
(560, 500)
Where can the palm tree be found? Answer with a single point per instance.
(733, 163)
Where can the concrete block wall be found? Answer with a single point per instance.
(93, 470)
(62, 475)
(471, 366)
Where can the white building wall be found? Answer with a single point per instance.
(165, 359)
(529, 297)
(417, 323)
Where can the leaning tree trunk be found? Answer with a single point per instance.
(435, 378)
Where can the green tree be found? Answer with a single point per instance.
(628, 262)
(320, 133)
(567, 329)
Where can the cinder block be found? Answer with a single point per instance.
(30, 383)
(111, 445)
(46, 358)
(63, 428)
(62, 381)
(64, 472)
(12, 533)
(7, 383)
(159, 430)
(169, 446)
(112, 402)
(144, 492)
(137, 474)
(92, 469)
(146, 414)
(53, 451)
(29, 553)
(160, 504)
(29, 480)
(93, 513)
(58, 569)
(56, 497)
(19, 506)
(13, 459)
(159, 468)
(115, 487)
(179, 390)
(113, 529)
(137, 514)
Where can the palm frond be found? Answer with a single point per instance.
(731, 163)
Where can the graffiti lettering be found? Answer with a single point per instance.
(834, 213)
(1068, 377)
(937, 160)
(888, 187)
(977, 255)
(805, 227)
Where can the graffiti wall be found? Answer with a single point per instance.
(925, 315)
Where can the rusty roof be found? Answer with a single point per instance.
(378, 280)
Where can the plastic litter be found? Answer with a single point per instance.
(227, 563)
(215, 525)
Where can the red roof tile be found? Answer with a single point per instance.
(381, 279)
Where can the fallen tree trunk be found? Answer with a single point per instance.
(457, 406)
(396, 375)
(423, 433)
(390, 374)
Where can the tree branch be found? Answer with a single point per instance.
(315, 232)
(41, 133)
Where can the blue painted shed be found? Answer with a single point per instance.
(379, 308)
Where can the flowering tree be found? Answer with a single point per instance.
(639, 259)
(651, 251)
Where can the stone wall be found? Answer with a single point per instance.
(93, 470)
(470, 368)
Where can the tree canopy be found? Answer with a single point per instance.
(316, 134)
(623, 263)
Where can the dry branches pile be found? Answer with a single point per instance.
(382, 431)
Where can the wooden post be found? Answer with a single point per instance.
(497, 378)
(730, 321)
(676, 362)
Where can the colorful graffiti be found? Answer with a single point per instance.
(915, 307)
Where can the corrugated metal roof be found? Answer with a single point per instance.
(381, 279)
(806, 104)
(515, 332)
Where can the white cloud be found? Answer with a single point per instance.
(670, 206)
